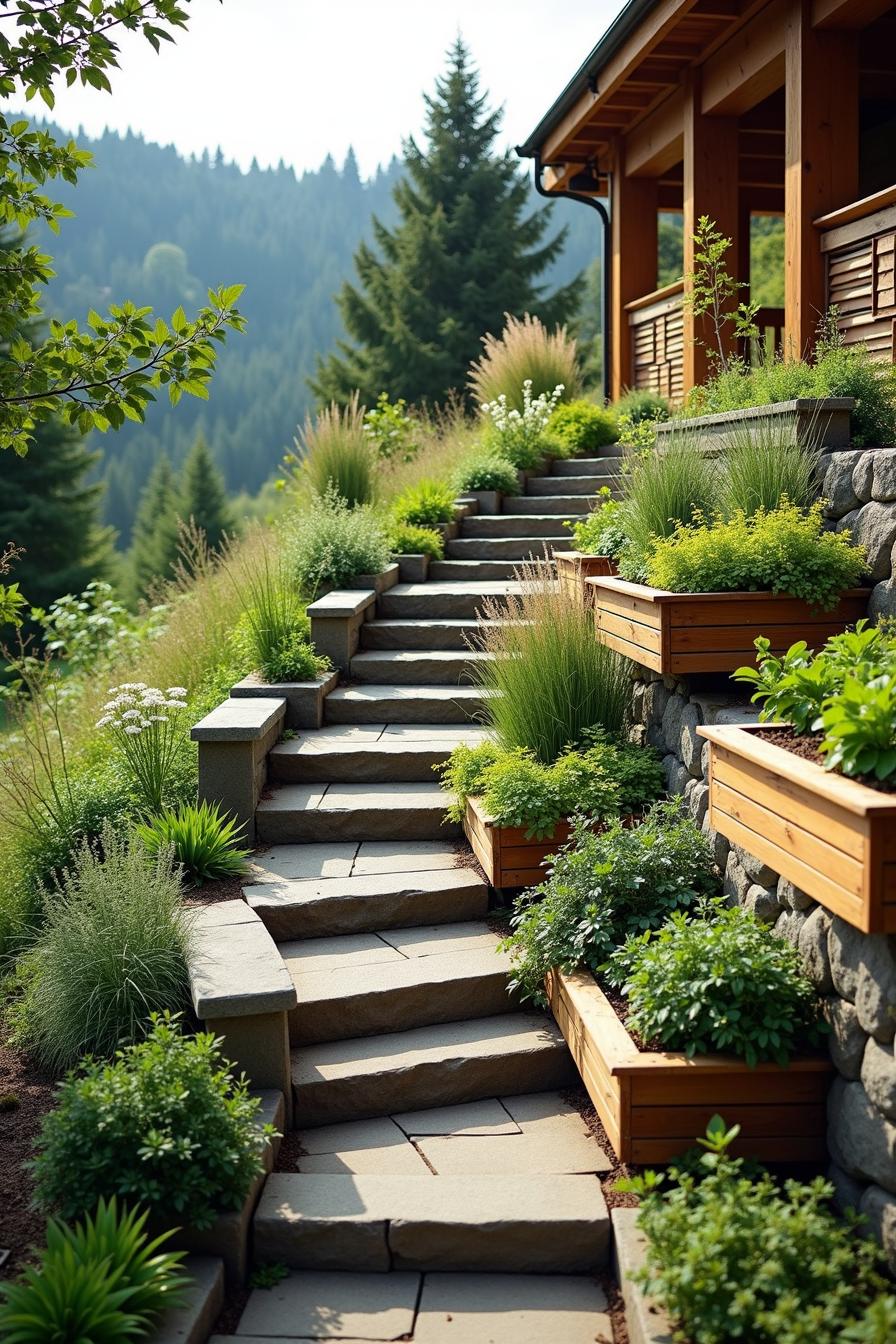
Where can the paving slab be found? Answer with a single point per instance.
(333, 1306)
(561, 1145)
(443, 734)
(354, 812)
(512, 1309)
(293, 798)
(298, 863)
(530, 1109)
(435, 939)
(363, 1148)
(310, 956)
(408, 856)
(472, 1118)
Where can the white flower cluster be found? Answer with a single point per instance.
(533, 418)
(135, 706)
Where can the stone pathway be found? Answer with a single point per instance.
(446, 1190)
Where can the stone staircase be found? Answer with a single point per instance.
(445, 1189)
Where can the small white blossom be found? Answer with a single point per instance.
(133, 729)
(176, 691)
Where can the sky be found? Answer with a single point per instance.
(295, 80)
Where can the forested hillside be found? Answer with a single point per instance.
(155, 227)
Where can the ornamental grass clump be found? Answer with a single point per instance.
(205, 842)
(273, 631)
(165, 1125)
(721, 982)
(662, 491)
(764, 465)
(782, 550)
(334, 454)
(526, 351)
(147, 728)
(521, 436)
(548, 679)
(425, 504)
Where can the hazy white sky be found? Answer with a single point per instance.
(295, 79)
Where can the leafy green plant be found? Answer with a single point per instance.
(521, 436)
(329, 544)
(333, 453)
(486, 471)
(392, 432)
(582, 427)
(783, 550)
(102, 1281)
(409, 539)
(765, 465)
(268, 1275)
(859, 728)
(424, 504)
(710, 292)
(602, 531)
(112, 950)
(147, 727)
(605, 886)
(273, 631)
(205, 842)
(877, 1324)
(164, 1124)
(548, 679)
(723, 983)
(88, 628)
(639, 403)
(661, 492)
(735, 1258)
(525, 350)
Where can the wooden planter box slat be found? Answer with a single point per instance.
(677, 634)
(653, 1104)
(574, 567)
(507, 857)
(832, 836)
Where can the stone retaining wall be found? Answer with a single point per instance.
(854, 972)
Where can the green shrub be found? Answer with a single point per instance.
(548, 679)
(582, 427)
(424, 504)
(719, 984)
(329, 544)
(205, 842)
(102, 1281)
(113, 949)
(785, 550)
(525, 350)
(601, 532)
(663, 490)
(604, 887)
(391, 431)
(765, 465)
(334, 453)
(165, 1125)
(735, 1258)
(487, 471)
(409, 539)
(641, 404)
(600, 781)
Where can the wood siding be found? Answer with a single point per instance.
(656, 323)
(861, 280)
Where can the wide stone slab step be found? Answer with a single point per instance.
(416, 667)
(513, 1224)
(506, 524)
(309, 814)
(404, 704)
(372, 983)
(456, 599)
(566, 505)
(540, 486)
(421, 634)
(471, 569)
(374, 754)
(429, 1066)
(608, 456)
(367, 902)
(499, 548)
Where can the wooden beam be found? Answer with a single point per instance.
(634, 260)
(655, 144)
(848, 14)
(710, 187)
(821, 159)
(749, 66)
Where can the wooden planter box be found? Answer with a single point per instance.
(831, 836)
(680, 634)
(574, 567)
(654, 1104)
(822, 422)
(506, 856)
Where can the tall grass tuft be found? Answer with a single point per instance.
(112, 951)
(337, 453)
(764, 463)
(548, 678)
(662, 490)
(525, 349)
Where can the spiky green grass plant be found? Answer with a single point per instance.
(525, 349)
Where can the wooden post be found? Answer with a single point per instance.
(710, 187)
(821, 155)
(634, 236)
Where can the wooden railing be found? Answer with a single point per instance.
(859, 248)
(657, 333)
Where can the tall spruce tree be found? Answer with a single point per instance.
(464, 252)
(154, 545)
(203, 497)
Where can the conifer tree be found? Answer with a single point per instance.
(464, 252)
(156, 528)
(203, 497)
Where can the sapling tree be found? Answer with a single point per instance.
(710, 292)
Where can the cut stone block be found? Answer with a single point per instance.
(647, 1322)
(296, 812)
(296, 863)
(234, 966)
(565, 505)
(511, 1309)
(387, 856)
(379, 1132)
(404, 704)
(570, 485)
(450, 599)
(333, 1306)
(518, 525)
(559, 1145)
(473, 1118)
(342, 603)
(344, 953)
(304, 699)
(470, 570)
(240, 720)
(438, 939)
(309, 761)
(416, 667)
(191, 1323)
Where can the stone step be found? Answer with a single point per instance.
(429, 1066)
(371, 983)
(366, 902)
(316, 814)
(432, 1309)
(566, 506)
(507, 1224)
(498, 548)
(371, 754)
(417, 667)
(586, 466)
(421, 634)
(475, 570)
(548, 486)
(403, 704)
(538, 525)
(457, 599)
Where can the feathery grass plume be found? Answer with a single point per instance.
(273, 629)
(763, 463)
(525, 349)
(337, 453)
(548, 678)
(663, 489)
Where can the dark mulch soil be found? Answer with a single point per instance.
(210, 893)
(26, 1094)
(805, 745)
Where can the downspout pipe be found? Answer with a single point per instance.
(605, 264)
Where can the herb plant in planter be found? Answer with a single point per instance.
(598, 540)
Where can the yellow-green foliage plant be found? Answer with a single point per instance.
(526, 349)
